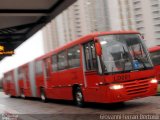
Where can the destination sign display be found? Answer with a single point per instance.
(4, 51)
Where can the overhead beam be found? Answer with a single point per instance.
(23, 11)
(12, 34)
(23, 14)
(19, 27)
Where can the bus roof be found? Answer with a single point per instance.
(154, 49)
(83, 40)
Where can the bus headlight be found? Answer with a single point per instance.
(154, 81)
(116, 86)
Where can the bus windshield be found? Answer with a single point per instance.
(124, 52)
(155, 56)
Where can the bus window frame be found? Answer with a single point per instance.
(70, 67)
(39, 73)
(66, 52)
(88, 43)
(56, 55)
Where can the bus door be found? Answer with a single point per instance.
(92, 78)
(47, 72)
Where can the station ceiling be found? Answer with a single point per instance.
(20, 19)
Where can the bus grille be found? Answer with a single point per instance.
(136, 87)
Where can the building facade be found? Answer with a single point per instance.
(147, 19)
(86, 16)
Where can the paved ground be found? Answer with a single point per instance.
(35, 109)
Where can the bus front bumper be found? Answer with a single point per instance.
(131, 91)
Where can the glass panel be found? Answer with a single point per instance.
(39, 67)
(87, 57)
(74, 57)
(124, 52)
(20, 73)
(90, 56)
(94, 58)
(54, 63)
(62, 61)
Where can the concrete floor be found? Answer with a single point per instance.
(63, 110)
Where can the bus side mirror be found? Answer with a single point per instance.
(98, 47)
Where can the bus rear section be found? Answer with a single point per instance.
(20, 82)
(155, 56)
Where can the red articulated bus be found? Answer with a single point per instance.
(155, 56)
(106, 67)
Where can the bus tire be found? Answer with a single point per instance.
(78, 97)
(11, 96)
(43, 95)
(22, 94)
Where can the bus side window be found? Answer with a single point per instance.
(62, 61)
(90, 56)
(39, 69)
(47, 62)
(26, 72)
(20, 73)
(54, 63)
(74, 56)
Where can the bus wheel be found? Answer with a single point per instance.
(78, 97)
(43, 95)
(22, 94)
